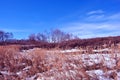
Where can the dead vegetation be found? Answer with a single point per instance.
(43, 64)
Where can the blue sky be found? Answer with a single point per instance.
(84, 18)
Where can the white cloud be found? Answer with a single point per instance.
(109, 27)
(102, 17)
(16, 30)
(114, 17)
(95, 12)
(95, 17)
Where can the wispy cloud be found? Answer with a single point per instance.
(16, 30)
(95, 12)
(96, 17)
(108, 27)
(114, 17)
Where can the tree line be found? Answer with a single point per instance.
(54, 36)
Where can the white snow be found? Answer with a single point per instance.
(70, 51)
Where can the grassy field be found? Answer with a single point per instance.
(57, 64)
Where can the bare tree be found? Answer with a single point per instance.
(38, 37)
(32, 37)
(8, 35)
(58, 36)
(41, 37)
(55, 36)
(5, 36)
(1, 35)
